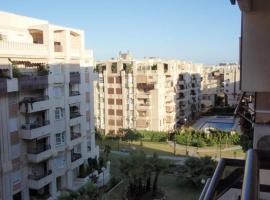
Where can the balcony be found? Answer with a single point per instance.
(36, 82)
(144, 106)
(249, 178)
(74, 78)
(34, 104)
(142, 124)
(35, 130)
(169, 118)
(169, 109)
(145, 87)
(74, 97)
(75, 156)
(74, 135)
(58, 48)
(39, 153)
(74, 115)
(38, 181)
(143, 95)
(74, 93)
(17, 48)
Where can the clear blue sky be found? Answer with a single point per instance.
(202, 31)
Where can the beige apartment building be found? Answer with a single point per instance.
(46, 126)
(145, 94)
(220, 81)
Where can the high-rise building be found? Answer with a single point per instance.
(46, 128)
(145, 94)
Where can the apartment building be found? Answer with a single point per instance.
(232, 84)
(250, 178)
(46, 131)
(145, 94)
(220, 85)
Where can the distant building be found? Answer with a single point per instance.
(220, 85)
(145, 94)
(46, 131)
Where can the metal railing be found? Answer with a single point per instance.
(37, 177)
(74, 115)
(219, 184)
(35, 125)
(75, 156)
(251, 186)
(33, 82)
(38, 149)
(34, 99)
(74, 93)
(75, 135)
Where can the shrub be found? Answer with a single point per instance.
(154, 136)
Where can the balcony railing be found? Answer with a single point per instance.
(31, 126)
(245, 180)
(75, 156)
(74, 93)
(75, 135)
(74, 115)
(33, 82)
(38, 149)
(34, 99)
(19, 48)
(37, 177)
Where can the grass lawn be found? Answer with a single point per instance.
(163, 148)
(167, 183)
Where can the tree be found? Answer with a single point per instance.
(138, 169)
(196, 169)
(131, 135)
(107, 151)
(158, 166)
(100, 136)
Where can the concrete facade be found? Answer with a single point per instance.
(221, 80)
(145, 94)
(46, 111)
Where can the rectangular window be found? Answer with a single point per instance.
(60, 162)
(57, 92)
(60, 139)
(59, 113)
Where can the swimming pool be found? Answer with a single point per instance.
(223, 126)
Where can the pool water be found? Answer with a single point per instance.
(223, 126)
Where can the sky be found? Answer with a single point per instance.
(202, 31)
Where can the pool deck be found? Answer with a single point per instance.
(200, 122)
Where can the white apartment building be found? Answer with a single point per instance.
(46, 126)
(220, 81)
(144, 94)
(232, 84)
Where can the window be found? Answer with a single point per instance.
(57, 92)
(60, 162)
(59, 113)
(59, 139)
